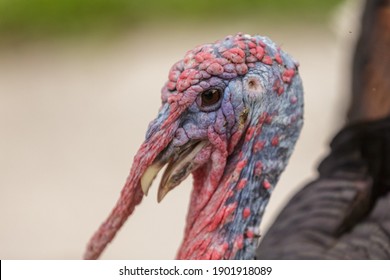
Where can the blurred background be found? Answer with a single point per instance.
(80, 81)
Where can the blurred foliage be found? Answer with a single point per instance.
(49, 17)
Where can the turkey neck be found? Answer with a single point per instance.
(226, 209)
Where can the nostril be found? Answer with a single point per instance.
(180, 138)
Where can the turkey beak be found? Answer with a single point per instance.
(149, 176)
(179, 168)
(180, 163)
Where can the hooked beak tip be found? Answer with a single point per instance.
(148, 177)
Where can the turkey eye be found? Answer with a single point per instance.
(210, 97)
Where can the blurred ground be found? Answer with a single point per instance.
(73, 113)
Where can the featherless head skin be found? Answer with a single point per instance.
(231, 114)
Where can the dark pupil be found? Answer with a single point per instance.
(210, 97)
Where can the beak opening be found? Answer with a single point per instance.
(180, 163)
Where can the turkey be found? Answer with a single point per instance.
(231, 114)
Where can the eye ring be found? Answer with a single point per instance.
(210, 97)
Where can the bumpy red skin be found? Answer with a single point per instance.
(238, 173)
